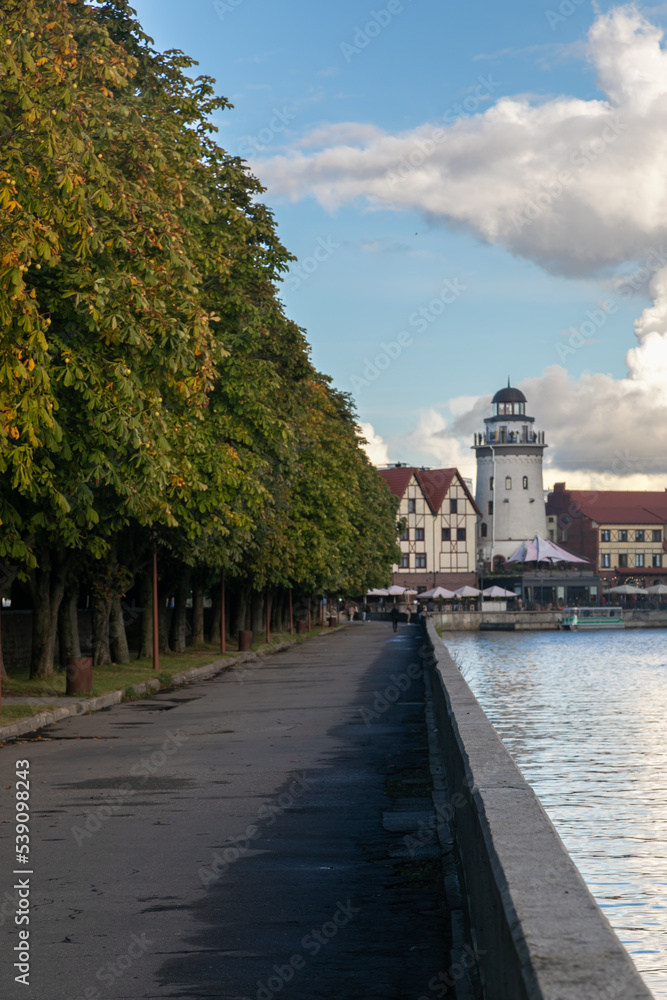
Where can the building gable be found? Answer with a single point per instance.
(433, 483)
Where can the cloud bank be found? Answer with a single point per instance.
(577, 186)
(375, 447)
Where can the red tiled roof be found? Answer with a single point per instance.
(613, 506)
(434, 483)
(397, 479)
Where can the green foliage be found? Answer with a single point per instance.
(148, 374)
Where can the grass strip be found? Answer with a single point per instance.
(120, 676)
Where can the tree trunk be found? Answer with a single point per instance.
(242, 608)
(7, 577)
(101, 638)
(48, 587)
(163, 619)
(215, 617)
(146, 597)
(281, 623)
(68, 627)
(257, 612)
(198, 609)
(179, 618)
(119, 647)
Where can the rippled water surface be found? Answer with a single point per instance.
(585, 717)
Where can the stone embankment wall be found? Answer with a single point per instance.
(539, 933)
(528, 621)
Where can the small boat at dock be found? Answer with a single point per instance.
(578, 619)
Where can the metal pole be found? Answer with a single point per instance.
(156, 628)
(223, 623)
(291, 615)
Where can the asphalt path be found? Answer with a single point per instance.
(234, 838)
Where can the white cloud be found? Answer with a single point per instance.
(579, 187)
(435, 443)
(375, 447)
(573, 184)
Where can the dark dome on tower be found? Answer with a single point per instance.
(509, 395)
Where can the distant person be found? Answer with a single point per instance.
(393, 614)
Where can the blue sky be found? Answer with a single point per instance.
(321, 90)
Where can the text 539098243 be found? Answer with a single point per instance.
(22, 884)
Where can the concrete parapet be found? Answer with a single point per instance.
(528, 621)
(539, 933)
(511, 621)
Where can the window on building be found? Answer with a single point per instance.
(483, 529)
(405, 536)
(656, 535)
(490, 507)
(405, 560)
(639, 559)
(412, 506)
(605, 560)
(508, 482)
(453, 506)
(419, 534)
(446, 534)
(623, 559)
(622, 536)
(525, 482)
(490, 482)
(657, 559)
(421, 560)
(640, 536)
(605, 535)
(460, 534)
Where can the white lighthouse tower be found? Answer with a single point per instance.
(510, 492)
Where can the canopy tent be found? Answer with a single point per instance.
(540, 550)
(377, 592)
(626, 588)
(467, 592)
(657, 588)
(437, 594)
(396, 591)
(497, 592)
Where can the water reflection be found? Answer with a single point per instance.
(585, 718)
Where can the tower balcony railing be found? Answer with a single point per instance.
(505, 435)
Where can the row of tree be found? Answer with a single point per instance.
(152, 391)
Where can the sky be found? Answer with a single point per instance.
(474, 193)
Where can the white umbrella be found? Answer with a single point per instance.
(377, 593)
(467, 592)
(497, 592)
(438, 593)
(658, 588)
(397, 591)
(625, 588)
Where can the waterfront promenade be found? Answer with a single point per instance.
(239, 837)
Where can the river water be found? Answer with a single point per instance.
(585, 717)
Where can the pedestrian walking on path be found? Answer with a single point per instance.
(394, 617)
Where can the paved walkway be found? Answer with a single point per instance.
(237, 838)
